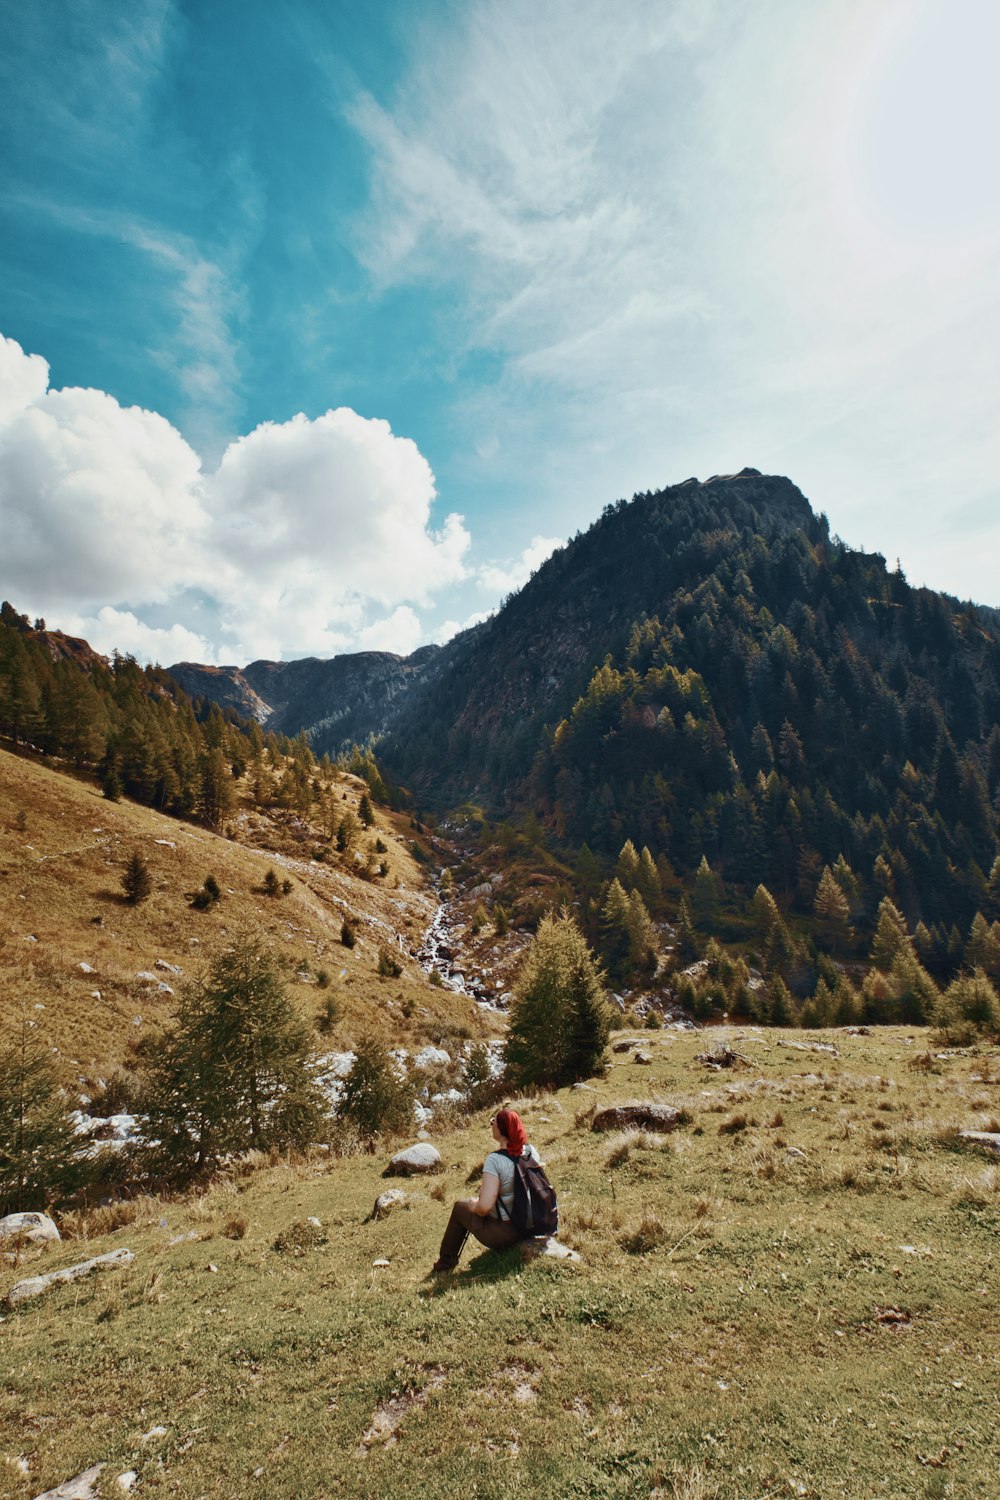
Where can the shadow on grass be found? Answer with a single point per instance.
(489, 1266)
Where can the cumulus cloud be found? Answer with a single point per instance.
(505, 578)
(301, 540)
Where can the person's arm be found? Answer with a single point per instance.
(488, 1193)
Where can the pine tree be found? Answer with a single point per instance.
(41, 1156)
(376, 1098)
(234, 1072)
(137, 882)
(559, 1018)
(365, 812)
(890, 935)
(704, 893)
(832, 911)
(687, 944)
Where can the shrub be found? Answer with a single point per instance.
(347, 934)
(375, 1098)
(328, 1016)
(389, 966)
(271, 885)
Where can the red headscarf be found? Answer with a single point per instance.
(510, 1125)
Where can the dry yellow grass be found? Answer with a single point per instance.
(63, 848)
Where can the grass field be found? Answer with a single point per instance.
(63, 849)
(793, 1294)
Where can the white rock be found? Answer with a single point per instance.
(35, 1286)
(80, 1488)
(95, 994)
(126, 1481)
(167, 843)
(387, 1201)
(164, 989)
(316, 1223)
(550, 1248)
(988, 1139)
(420, 1158)
(86, 968)
(152, 1434)
(380, 1264)
(430, 1057)
(37, 1229)
(161, 964)
(146, 976)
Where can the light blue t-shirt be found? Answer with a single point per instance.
(501, 1166)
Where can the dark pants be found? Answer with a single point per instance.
(492, 1233)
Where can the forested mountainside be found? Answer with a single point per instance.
(708, 673)
(338, 703)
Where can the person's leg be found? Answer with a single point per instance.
(463, 1222)
(454, 1236)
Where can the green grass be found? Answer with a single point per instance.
(743, 1323)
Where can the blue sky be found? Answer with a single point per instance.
(323, 323)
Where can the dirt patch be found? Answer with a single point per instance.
(389, 1417)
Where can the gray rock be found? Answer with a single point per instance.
(550, 1248)
(35, 1286)
(810, 1046)
(37, 1229)
(644, 1058)
(386, 1202)
(80, 1488)
(164, 967)
(642, 1114)
(420, 1158)
(626, 1044)
(988, 1139)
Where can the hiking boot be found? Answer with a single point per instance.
(442, 1265)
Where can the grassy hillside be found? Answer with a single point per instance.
(63, 849)
(792, 1295)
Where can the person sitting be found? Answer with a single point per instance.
(488, 1216)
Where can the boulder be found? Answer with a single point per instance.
(422, 1157)
(638, 1114)
(165, 968)
(625, 1044)
(37, 1229)
(550, 1248)
(35, 1286)
(83, 1487)
(809, 1046)
(385, 1203)
(988, 1139)
(643, 1057)
(430, 1057)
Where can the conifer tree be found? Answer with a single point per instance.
(627, 868)
(832, 911)
(233, 1073)
(41, 1156)
(376, 1097)
(704, 893)
(137, 882)
(688, 946)
(559, 1019)
(890, 935)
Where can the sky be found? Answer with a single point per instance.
(323, 324)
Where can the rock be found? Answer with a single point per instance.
(420, 1158)
(988, 1139)
(380, 1265)
(164, 989)
(643, 1058)
(642, 1114)
(626, 1044)
(550, 1248)
(810, 1046)
(584, 1088)
(152, 1435)
(80, 1488)
(147, 977)
(35, 1286)
(302, 1235)
(430, 1057)
(37, 1229)
(164, 967)
(126, 1481)
(86, 968)
(386, 1202)
(794, 1154)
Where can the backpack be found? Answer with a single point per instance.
(535, 1211)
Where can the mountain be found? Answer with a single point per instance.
(338, 702)
(705, 672)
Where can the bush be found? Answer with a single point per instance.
(375, 1098)
(389, 965)
(328, 1016)
(347, 934)
(271, 885)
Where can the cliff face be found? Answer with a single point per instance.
(339, 702)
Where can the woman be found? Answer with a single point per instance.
(488, 1216)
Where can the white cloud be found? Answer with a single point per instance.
(306, 530)
(400, 632)
(112, 630)
(506, 578)
(450, 628)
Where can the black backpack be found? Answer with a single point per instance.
(535, 1211)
